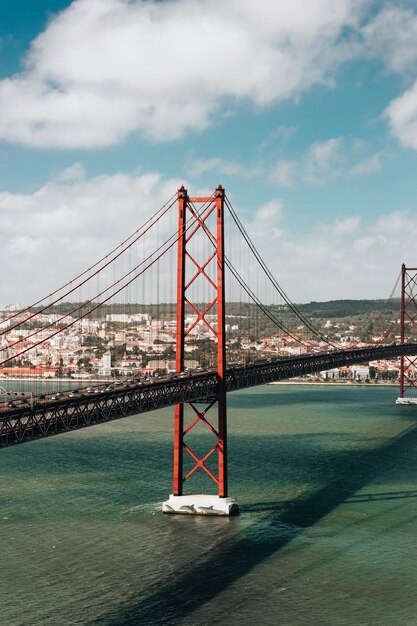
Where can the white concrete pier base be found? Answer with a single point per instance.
(406, 401)
(200, 504)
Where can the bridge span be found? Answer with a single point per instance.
(71, 411)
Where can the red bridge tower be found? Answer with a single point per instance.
(408, 326)
(201, 260)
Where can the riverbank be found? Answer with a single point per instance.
(339, 383)
(86, 382)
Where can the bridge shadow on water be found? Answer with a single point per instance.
(363, 497)
(179, 594)
(291, 396)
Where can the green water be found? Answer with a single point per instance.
(327, 482)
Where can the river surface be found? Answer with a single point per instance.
(327, 482)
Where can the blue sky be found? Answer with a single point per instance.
(306, 113)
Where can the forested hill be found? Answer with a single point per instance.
(322, 310)
(347, 308)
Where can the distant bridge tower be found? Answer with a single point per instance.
(201, 261)
(408, 330)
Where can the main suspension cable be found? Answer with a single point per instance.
(263, 308)
(175, 237)
(245, 286)
(156, 217)
(270, 276)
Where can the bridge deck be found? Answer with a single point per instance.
(50, 416)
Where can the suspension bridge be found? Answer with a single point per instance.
(214, 265)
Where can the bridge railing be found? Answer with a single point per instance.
(47, 417)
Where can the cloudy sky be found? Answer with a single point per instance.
(306, 111)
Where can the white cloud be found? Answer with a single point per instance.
(52, 234)
(284, 173)
(343, 258)
(72, 173)
(402, 117)
(196, 167)
(341, 227)
(392, 36)
(266, 222)
(368, 165)
(324, 161)
(105, 68)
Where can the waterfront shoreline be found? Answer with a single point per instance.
(324, 383)
(333, 384)
(87, 381)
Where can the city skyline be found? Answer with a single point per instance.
(305, 114)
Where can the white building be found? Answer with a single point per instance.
(360, 372)
(105, 368)
(124, 318)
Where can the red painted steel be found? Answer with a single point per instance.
(199, 225)
(179, 408)
(408, 319)
(221, 347)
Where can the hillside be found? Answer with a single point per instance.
(347, 308)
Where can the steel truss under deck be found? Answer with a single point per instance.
(18, 425)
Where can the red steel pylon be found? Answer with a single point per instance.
(408, 323)
(200, 224)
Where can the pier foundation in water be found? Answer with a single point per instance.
(200, 504)
(409, 400)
